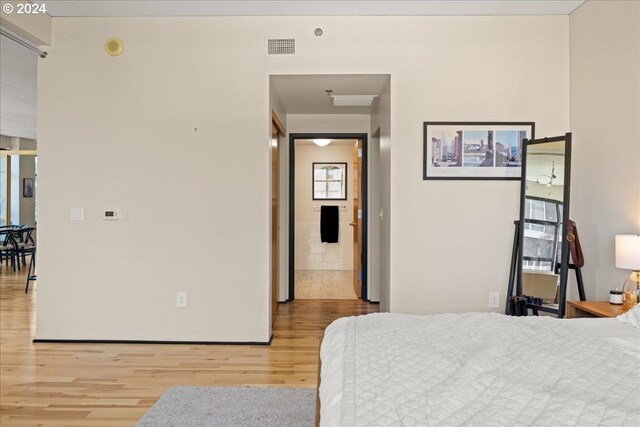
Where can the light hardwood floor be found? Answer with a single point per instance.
(114, 384)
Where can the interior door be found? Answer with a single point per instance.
(357, 218)
(275, 214)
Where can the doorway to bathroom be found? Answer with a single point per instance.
(327, 216)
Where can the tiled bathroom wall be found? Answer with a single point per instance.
(312, 254)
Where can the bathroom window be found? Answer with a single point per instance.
(329, 181)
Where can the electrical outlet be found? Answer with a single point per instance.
(494, 299)
(181, 299)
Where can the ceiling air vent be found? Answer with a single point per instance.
(279, 47)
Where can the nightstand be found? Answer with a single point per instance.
(593, 309)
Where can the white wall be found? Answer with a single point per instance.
(605, 107)
(373, 220)
(328, 123)
(179, 74)
(195, 217)
(441, 259)
(310, 252)
(380, 218)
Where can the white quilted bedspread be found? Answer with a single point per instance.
(479, 369)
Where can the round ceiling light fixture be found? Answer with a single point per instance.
(114, 46)
(322, 142)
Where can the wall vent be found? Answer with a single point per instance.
(279, 47)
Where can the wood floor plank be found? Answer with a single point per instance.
(70, 384)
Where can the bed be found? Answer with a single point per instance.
(481, 369)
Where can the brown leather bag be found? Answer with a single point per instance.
(574, 244)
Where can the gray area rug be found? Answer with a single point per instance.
(233, 407)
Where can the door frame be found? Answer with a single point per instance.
(365, 203)
(278, 132)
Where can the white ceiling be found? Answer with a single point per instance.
(305, 94)
(60, 8)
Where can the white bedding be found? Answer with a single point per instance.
(480, 369)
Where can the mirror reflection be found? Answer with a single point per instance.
(544, 191)
(545, 171)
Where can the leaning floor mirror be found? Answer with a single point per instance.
(542, 238)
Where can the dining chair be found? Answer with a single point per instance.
(25, 243)
(31, 273)
(8, 249)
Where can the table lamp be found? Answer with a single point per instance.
(628, 257)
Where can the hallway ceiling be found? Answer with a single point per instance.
(305, 94)
(97, 8)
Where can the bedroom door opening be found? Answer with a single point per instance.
(328, 216)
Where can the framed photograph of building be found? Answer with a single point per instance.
(474, 150)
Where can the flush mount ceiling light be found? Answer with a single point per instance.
(322, 142)
(352, 100)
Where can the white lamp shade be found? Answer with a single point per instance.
(628, 251)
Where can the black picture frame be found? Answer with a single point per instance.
(27, 187)
(339, 165)
(457, 150)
